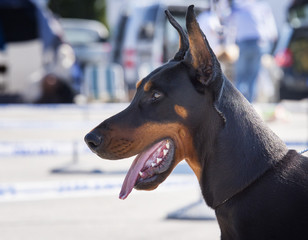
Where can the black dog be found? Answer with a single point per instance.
(187, 109)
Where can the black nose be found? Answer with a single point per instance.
(93, 140)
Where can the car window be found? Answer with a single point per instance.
(118, 37)
(80, 36)
(19, 24)
(298, 16)
(299, 48)
(147, 28)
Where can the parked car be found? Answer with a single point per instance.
(102, 80)
(30, 49)
(147, 39)
(292, 53)
(89, 39)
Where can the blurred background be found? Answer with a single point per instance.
(66, 65)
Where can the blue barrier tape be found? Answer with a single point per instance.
(46, 125)
(98, 106)
(297, 143)
(93, 187)
(21, 191)
(41, 148)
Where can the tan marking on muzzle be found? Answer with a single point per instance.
(145, 135)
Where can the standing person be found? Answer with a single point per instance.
(246, 20)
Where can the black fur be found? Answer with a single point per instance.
(258, 188)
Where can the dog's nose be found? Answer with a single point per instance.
(93, 140)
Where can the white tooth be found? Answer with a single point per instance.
(167, 145)
(141, 174)
(158, 160)
(165, 152)
(153, 164)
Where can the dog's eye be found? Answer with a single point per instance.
(155, 96)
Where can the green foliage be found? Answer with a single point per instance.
(85, 9)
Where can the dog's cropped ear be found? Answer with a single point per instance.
(183, 37)
(202, 58)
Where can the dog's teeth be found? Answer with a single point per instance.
(141, 174)
(167, 145)
(165, 152)
(153, 164)
(158, 160)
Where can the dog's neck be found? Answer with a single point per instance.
(243, 148)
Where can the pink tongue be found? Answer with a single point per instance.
(133, 172)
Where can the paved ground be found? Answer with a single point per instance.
(37, 204)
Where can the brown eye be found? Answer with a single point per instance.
(156, 96)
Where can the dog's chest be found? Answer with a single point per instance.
(272, 208)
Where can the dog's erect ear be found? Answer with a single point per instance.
(203, 60)
(183, 38)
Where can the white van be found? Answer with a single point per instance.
(30, 48)
(148, 39)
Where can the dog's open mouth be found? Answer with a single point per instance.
(148, 166)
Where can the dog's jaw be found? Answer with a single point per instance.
(149, 168)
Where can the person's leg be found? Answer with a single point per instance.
(253, 68)
(247, 68)
(240, 70)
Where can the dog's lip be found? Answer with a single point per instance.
(148, 164)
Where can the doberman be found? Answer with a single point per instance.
(187, 109)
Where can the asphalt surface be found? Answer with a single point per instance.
(53, 187)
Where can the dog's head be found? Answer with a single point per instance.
(169, 109)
